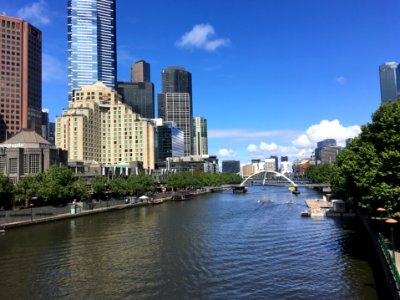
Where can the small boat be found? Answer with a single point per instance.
(156, 201)
(295, 192)
(305, 213)
(182, 196)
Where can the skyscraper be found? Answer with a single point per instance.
(389, 74)
(21, 77)
(140, 71)
(175, 102)
(139, 93)
(200, 140)
(92, 54)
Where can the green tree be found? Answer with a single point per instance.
(99, 184)
(29, 187)
(367, 172)
(6, 192)
(140, 184)
(320, 173)
(118, 186)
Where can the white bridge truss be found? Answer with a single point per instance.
(265, 177)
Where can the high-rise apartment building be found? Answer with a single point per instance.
(175, 102)
(98, 126)
(200, 140)
(20, 77)
(139, 93)
(92, 54)
(389, 74)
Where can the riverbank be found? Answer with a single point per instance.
(91, 211)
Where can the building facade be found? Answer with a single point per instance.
(200, 139)
(140, 71)
(389, 74)
(140, 96)
(170, 141)
(177, 107)
(20, 77)
(175, 102)
(98, 126)
(139, 93)
(92, 54)
(193, 163)
(231, 166)
(27, 153)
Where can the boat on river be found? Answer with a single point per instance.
(182, 196)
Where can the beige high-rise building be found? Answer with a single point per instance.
(98, 126)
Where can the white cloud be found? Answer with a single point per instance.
(201, 37)
(268, 147)
(332, 130)
(302, 142)
(224, 152)
(252, 148)
(36, 13)
(341, 80)
(53, 68)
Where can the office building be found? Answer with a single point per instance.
(284, 158)
(320, 146)
(139, 93)
(140, 96)
(276, 162)
(193, 164)
(170, 141)
(98, 126)
(92, 54)
(328, 154)
(175, 102)
(389, 74)
(326, 143)
(45, 124)
(140, 71)
(200, 140)
(20, 77)
(231, 166)
(285, 167)
(269, 164)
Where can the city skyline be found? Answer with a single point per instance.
(271, 79)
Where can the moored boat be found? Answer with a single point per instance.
(182, 196)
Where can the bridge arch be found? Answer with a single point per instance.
(265, 176)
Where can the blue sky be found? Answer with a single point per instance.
(271, 77)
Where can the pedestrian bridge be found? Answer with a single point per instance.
(265, 172)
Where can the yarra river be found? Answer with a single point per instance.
(217, 246)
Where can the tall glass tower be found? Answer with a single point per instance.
(389, 74)
(92, 54)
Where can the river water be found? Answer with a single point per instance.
(217, 246)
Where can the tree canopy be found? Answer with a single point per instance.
(367, 172)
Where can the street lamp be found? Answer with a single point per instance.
(381, 211)
(392, 222)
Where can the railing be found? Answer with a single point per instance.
(389, 259)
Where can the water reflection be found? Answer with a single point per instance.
(218, 246)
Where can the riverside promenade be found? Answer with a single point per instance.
(28, 216)
(77, 214)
